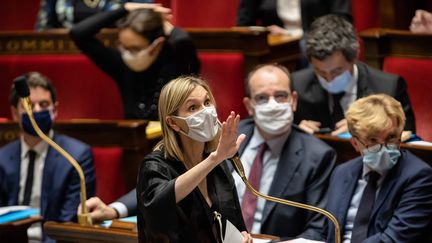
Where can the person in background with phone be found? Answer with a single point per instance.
(336, 79)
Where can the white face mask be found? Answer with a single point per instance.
(142, 60)
(338, 84)
(274, 118)
(203, 125)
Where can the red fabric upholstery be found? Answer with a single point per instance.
(110, 182)
(18, 15)
(204, 14)
(365, 14)
(84, 91)
(225, 74)
(418, 74)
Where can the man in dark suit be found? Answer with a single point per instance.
(31, 172)
(336, 78)
(294, 165)
(386, 194)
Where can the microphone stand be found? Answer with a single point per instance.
(240, 170)
(83, 218)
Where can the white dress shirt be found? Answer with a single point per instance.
(270, 162)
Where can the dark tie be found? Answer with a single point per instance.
(29, 180)
(361, 221)
(338, 113)
(249, 199)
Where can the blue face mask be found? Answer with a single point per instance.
(338, 84)
(382, 160)
(43, 119)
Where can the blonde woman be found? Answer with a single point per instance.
(185, 190)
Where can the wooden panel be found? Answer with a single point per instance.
(380, 43)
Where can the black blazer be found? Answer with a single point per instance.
(403, 208)
(250, 11)
(313, 99)
(302, 175)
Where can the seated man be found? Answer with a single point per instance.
(33, 173)
(386, 194)
(336, 78)
(280, 160)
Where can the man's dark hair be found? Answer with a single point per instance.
(253, 71)
(34, 79)
(145, 22)
(329, 34)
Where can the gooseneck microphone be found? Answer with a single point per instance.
(240, 170)
(23, 92)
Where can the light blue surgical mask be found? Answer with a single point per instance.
(383, 160)
(338, 84)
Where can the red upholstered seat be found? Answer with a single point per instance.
(199, 13)
(110, 183)
(365, 14)
(418, 74)
(84, 91)
(225, 74)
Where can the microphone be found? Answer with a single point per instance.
(23, 92)
(238, 166)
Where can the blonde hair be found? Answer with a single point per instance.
(370, 115)
(172, 96)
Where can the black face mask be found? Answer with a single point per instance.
(43, 120)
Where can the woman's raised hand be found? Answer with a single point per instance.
(229, 142)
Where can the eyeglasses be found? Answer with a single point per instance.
(391, 144)
(279, 97)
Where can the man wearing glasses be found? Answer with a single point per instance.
(385, 195)
(280, 160)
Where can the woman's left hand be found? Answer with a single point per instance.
(247, 238)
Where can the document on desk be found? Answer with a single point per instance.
(233, 235)
(13, 213)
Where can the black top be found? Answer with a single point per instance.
(160, 219)
(251, 11)
(139, 90)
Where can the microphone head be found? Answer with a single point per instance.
(21, 86)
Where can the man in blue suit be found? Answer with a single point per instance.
(295, 166)
(31, 172)
(386, 194)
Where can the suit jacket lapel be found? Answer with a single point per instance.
(348, 189)
(289, 160)
(363, 88)
(48, 176)
(15, 163)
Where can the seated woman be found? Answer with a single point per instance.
(185, 190)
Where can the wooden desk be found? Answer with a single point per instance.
(127, 134)
(16, 231)
(254, 43)
(72, 232)
(345, 151)
(380, 43)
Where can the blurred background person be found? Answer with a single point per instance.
(291, 17)
(336, 79)
(66, 13)
(33, 173)
(185, 190)
(150, 53)
(421, 23)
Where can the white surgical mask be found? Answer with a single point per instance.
(141, 60)
(338, 84)
(203, 125)
(274, 118)
(382, 160)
